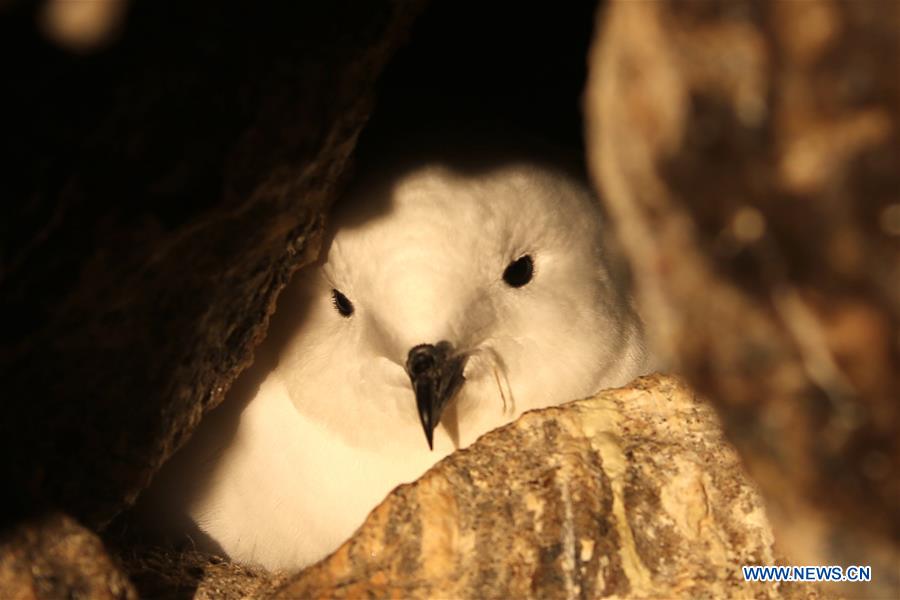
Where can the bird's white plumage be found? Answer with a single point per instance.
(332, 426)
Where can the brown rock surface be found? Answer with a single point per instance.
(155, 216)
(175, 575)
(630, 494)
(54, 557)
(749, 153)
(157, 194)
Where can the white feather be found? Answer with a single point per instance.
(333, 427)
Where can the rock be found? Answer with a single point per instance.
(162, 573)
(749, 155)
(155, 216)
(158, 193)
(55, 557)
(632, 493)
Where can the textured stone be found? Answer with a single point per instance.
(633, 494)
(163, 573)
(158, 194)
(749, 155)
(54, 557)
(155, 217)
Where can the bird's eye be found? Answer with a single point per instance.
(342, 303)
(519, 272)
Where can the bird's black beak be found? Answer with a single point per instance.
(436, 374)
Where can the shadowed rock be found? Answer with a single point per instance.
(749, 154)
(154, 219)
(52, 556)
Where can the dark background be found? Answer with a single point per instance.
(487, 69)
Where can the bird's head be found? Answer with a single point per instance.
(459, 300)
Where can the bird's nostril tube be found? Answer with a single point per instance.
(422, 363)
(421, 358)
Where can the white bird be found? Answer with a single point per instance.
(446, 300)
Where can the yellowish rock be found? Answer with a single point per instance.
(633, 493)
